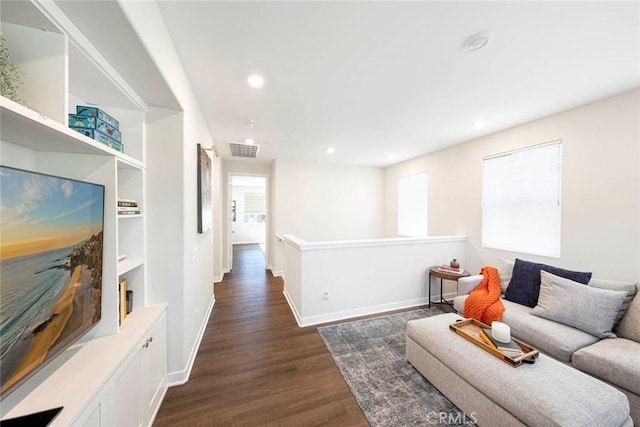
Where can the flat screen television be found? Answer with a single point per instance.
(51, 251)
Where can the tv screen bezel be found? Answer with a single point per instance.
(59, 347)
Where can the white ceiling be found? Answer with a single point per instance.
(373, 79)
(376, 79)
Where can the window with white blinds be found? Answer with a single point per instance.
(413, 205)
(521, 200)
(254, 203)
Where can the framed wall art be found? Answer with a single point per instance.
(204, 191)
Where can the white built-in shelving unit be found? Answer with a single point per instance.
(62, 70)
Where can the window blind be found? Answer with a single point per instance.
(254, 203)
(521, 200)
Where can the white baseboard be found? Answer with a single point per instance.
(275, 273)
(293, 308)
(218, 279)
(182, 376)
(357, 312)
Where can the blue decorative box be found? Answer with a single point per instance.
(81, 110)
(103, 139)
(95, 123)
(108, 130)
(82, 121)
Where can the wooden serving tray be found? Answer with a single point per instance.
(469, 329)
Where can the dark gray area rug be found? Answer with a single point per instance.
(370, 354)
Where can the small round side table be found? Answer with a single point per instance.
(443, 275)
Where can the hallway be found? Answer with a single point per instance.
(255, 366)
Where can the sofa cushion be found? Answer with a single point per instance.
(616, 285)
(524, 286)
(458, 303)
(629, 326)
(614, 360)
(553, 338)
(590, 309)
(505, 271)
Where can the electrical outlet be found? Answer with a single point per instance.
(326, 295)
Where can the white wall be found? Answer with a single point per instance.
(320, 202)
(190, 272)
(325, 202)
(330, 281)
(600, 189)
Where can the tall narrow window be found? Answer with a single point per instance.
(412, 205)
(521, 200)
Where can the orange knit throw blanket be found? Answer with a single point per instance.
(483, 303)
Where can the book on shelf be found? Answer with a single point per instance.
(128, 203)
(137, 212)
(122, 300)
(124, 199)
(128, 208)
(510, 349)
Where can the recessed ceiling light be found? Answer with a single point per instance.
(479, 124)
(331, 150)
(249, 141)
(255, 81)
(477, 41)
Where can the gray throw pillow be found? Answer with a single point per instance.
(589, 309)
(629, 326)
(616, 285)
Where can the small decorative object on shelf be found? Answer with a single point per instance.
(128, 207)
(454, 263)
(81, 110)
(96, 124)
(122, 300)
(129, 301)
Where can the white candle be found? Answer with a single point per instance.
(501, 332)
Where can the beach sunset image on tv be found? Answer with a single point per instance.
(51, 233)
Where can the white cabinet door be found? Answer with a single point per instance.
(92, 416)
(154, 369)
(127, 392)
(97, 413)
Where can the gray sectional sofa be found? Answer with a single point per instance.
(612, 356)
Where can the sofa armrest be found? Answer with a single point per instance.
(468, 283)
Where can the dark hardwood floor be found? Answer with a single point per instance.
(255, 366)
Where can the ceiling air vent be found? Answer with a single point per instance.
(244, 150)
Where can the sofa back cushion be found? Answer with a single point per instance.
(615, 285)
(505, 271)
(629, 326)
(525, 282)
(587, 308)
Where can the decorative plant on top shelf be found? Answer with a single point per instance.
(10, 75)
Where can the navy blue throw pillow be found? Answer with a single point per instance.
(524, 286)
